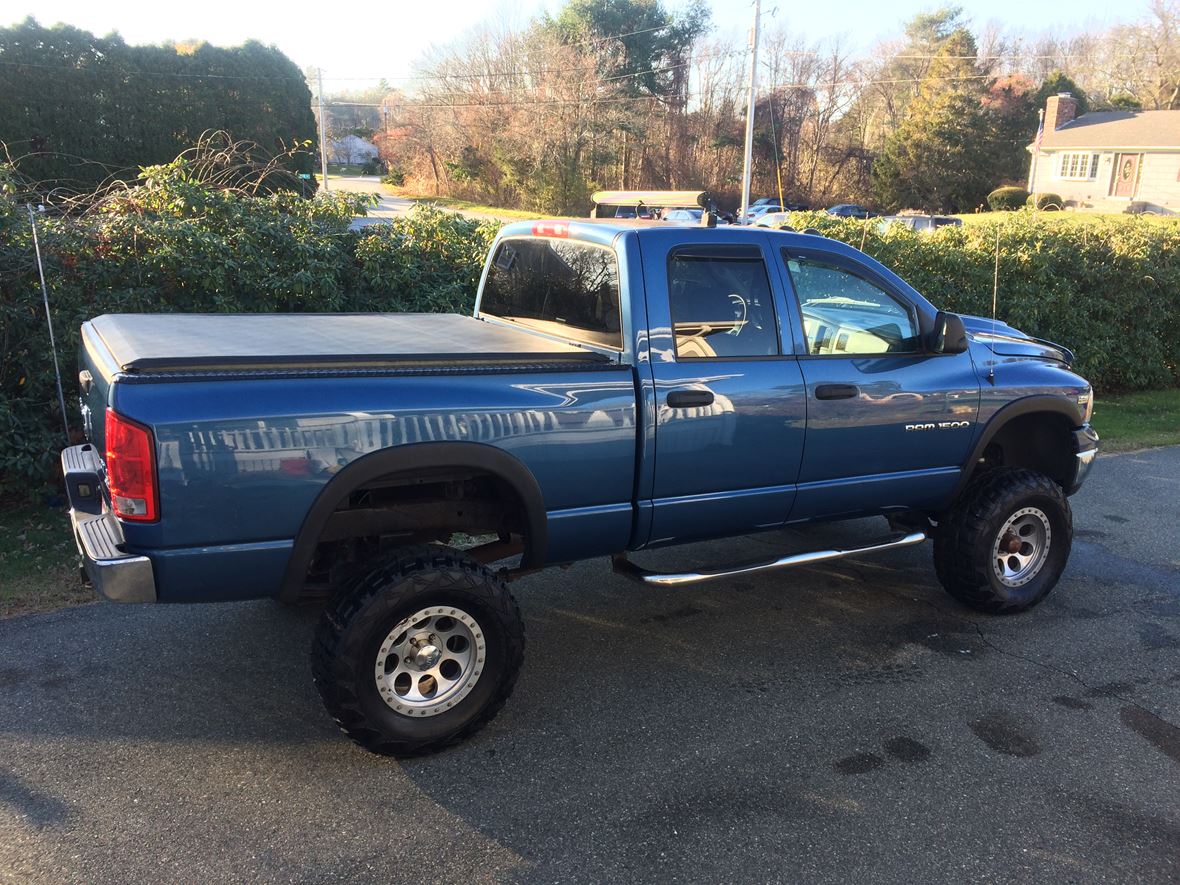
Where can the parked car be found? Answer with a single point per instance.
(689, 215)
(758, 211)
(773, 219)
(921, 223)
(618, 388)
(849, 210)
(633, 212)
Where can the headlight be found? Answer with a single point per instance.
(1086, 404)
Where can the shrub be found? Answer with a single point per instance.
(1007, 198)
(1046, 202)
(1107, 288)
(174, 244)
(395, 176)
(373, 166)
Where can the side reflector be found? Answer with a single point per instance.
(131, 469)
(551, 229)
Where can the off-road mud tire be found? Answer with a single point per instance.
(358, 620)
(964, 542)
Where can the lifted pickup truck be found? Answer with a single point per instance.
(622, 385)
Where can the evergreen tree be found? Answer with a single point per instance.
(941, 156)
(76, 109)
(1055, 84)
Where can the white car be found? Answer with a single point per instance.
(773, 219)
(921, 223)
(757, 212)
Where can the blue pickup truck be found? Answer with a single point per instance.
(622, 385)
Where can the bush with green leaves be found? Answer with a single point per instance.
(1107, 288)
(172, 243)
(1007, 198)
(1047, 202)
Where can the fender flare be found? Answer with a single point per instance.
(406, 459)
(1029, 405)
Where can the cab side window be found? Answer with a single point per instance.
(846, 314)
(721, 303)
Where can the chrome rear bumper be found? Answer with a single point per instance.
(116, 574)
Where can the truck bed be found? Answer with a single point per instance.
(147, 343)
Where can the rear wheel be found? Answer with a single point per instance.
(419, 653)
(1005, 543)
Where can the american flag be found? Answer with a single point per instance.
(1040, 131)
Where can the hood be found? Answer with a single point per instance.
(1005, 340)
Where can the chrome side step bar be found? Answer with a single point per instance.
(626, 567)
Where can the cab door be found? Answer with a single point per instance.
(728, 397)
(889, 424)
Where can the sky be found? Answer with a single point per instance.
(383, 39)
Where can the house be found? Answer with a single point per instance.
(351, 150)
(1108, 161)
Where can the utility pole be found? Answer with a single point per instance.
(623, 166)
(319, 72)
(747, 166)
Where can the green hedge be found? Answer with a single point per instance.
(170, 244)
(1048, 202)
(1006, 198)
(1107, 288)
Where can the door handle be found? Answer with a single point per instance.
(687, 399)
(836, 391)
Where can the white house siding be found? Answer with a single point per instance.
(1159, 181)
(1158, 190)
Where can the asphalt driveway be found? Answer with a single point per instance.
(844, 722)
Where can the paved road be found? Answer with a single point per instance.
(845, 722)
(388, 206)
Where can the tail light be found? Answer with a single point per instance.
(131, 469)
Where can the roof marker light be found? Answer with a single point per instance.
(551, 229)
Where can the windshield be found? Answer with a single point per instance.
(560, 287)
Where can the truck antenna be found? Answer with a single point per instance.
(61, 399)
(991, 370)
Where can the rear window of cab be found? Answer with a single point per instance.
(560, 287)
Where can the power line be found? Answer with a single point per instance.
(101, 68)
(555, 102)
(98, 66)
(430, 95)
(817, 85)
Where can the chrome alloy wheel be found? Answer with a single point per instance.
(1021, 547)
(430, 661)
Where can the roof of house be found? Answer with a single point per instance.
(1118, 129)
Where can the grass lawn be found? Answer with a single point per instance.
(38, 561)
(468, 206)
(1138, 420)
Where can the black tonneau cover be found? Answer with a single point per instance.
(142, 342)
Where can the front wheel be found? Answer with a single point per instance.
(419, 653)
(1005, 543)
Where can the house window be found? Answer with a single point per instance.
(1077, 166)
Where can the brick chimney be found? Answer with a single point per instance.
(1059, 110)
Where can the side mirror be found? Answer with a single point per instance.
(949, 335)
